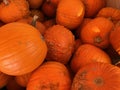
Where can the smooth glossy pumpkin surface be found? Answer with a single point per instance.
(22, 48)
(70, 13)
(97, 32)
(60, 42)
(50, 76)
(87, 53)
(97, 76)
(13, 10)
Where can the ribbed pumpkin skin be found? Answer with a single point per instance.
(86, 54)
(70, 13)
(115, 39)
(50, 76)
(22, 48)
(97, 76)
(4, 79)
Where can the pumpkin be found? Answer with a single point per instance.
(12, 85)
(34, 22)
(70, 13)
(49, 23)
(23, 80)
(39, 13)
(113, 3)
(92, 7)
(49, 9)
(50, 76)
(115, 39)
(97, 32)
(35, 3)
(84, 22)
(86, 54)
(109, 12)
(13, 10)
(60, 42)
(77, 44)
(97, 76)
(22, 48)
(4, 78)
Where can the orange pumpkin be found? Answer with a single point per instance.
(34, 22)
(60, 42)
(39, 13)
(12, 85)
(54, 2)
(86, 54)
(109, 12)
(23, 80)
(92, 7)
(35, 3)
(49, 9)
(97, 32)
(50, 76)
(70, 13)
(77, 44)
(115, 39)
(84, 22)
(4, 78)
(49, 23)
(113, 3)
(97, 76)
(13, 10)
(22, 48)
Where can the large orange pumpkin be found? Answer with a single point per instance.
(22, 48)
(97, 76)
(50, 76)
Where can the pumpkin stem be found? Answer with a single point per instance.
(6, 2)
(98, 39)
(33, 23)
(99, 81)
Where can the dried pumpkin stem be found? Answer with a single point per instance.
(35, 17)
(6, 2)
(98, 39)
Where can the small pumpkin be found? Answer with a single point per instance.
(49, 23)
(39, 13)
(23, 48)
(86, 54)
(77, 44)
(115, 39)
(35, 4)
(23, 80)
(97, 76)
(70, 13)
(4, 79)
(92, 7)
(110, 12)
(50, 76)
(49, 9)
(60, 42)
(33, 21)
(13, 10)
(84, 22)
(97, 32)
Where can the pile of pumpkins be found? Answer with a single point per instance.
(59, 44)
